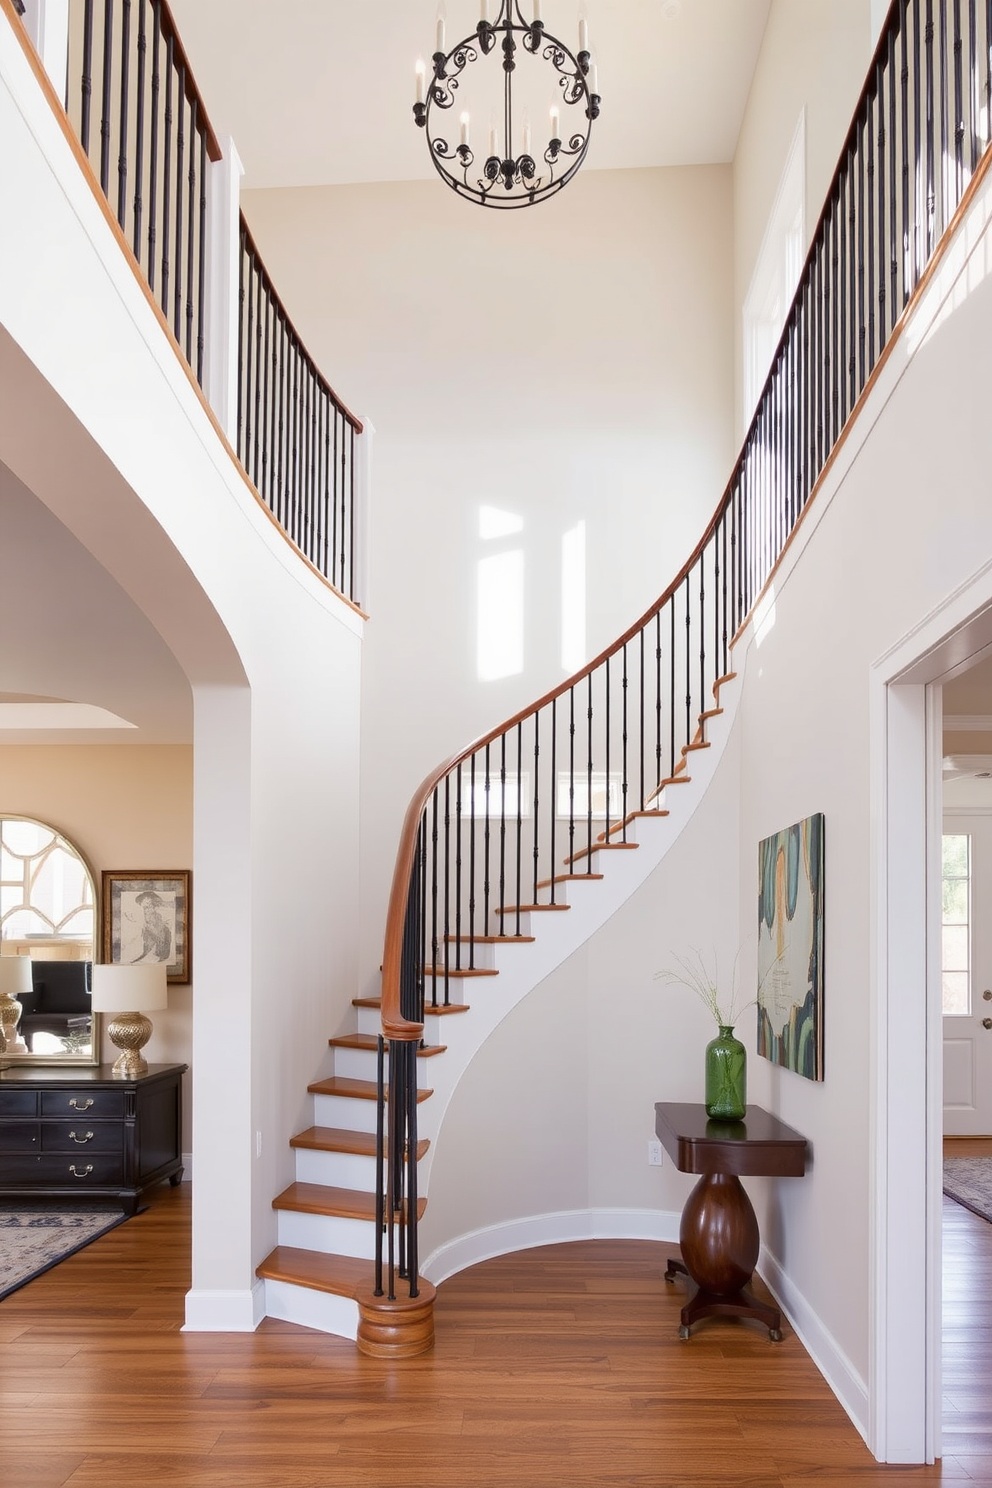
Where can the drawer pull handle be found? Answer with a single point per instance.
(78, 1105)
(77, 1174)
(81, 1141)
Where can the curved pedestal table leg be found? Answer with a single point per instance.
(719, 1240)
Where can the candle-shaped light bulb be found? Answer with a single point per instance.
(583, 34)
(537, 12)
(526, 136)
(493, 142)
(594, 79)
(420, 72)
(464, 123)
(484, 11)
(439, 38)
(555, 124)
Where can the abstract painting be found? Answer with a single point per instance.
(790, 947)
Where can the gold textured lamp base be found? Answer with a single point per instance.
(130, 1032)
(10, 1016)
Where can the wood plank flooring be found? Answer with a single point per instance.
(559, 1366)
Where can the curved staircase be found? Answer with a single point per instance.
(481, 863)
(322, 1270)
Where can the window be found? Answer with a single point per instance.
(955, 932)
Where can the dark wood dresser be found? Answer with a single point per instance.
(84, 1134)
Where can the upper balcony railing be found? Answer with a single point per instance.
(504, 823)
(131, 98)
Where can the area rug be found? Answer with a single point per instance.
(34, 1240)
(968, 1180)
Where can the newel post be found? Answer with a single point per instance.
(47, 24)
(220, 372)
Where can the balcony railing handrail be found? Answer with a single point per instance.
(300, 344)
(193, 94)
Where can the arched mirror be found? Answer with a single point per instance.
(47, 915)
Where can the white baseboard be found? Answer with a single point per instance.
(548, 1229)
(225, 1312)
(829, 1358)
(187, 1167)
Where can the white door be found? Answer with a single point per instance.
(966, 973)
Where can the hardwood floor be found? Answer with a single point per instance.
(560, 1366)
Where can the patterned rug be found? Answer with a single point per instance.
(34, 1240)
(968, 1180)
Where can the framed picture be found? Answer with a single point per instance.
(146, 917)
(790, 947)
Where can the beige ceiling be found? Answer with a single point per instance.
(320, 92)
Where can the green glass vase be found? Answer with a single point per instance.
(726, 1077)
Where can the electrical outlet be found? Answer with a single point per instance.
(654, 1154)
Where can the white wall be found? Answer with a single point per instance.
(814, 56)
(567, 364)
(99, 421)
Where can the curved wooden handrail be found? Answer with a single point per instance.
(783, 455)
(193, 94)
(276, 299)
(394, 1025)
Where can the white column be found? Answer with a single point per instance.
(47, 24)
(220, 370)
(363, 512)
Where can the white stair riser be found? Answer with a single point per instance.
(357, 1064)
(344, 1110)
(335, 1169)
(312, 1309)
(363, 1064)
(327, 1232)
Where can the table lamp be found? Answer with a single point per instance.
(15, 981)
(129, 992)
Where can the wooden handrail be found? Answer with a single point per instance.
(276, 299)
(193, 94)
(803, 446)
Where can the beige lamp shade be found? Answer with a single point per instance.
(15, 976)
(130, 989)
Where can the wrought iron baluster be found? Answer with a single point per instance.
(108, 74)
(153, 143)
(180, 166)
(86, 78)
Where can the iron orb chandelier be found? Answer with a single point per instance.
(518, 169)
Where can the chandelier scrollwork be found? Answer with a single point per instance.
(512, 173)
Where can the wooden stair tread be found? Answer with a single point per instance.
(370, 1041)
(632, 816)
(460, 971)
(512, 909)
(342, 1139)
(357, 1089)
(490, 939)
(345, 1276)
(601, 846)
(429, 1012)
(696, 744)
(545, 883)
(324, 1198)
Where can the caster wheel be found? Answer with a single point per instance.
(775, 1335)
(669, 1275)
(683, 1331)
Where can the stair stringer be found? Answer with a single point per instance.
(522, 965)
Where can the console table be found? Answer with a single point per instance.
(719, 1230)
(84, 1133)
